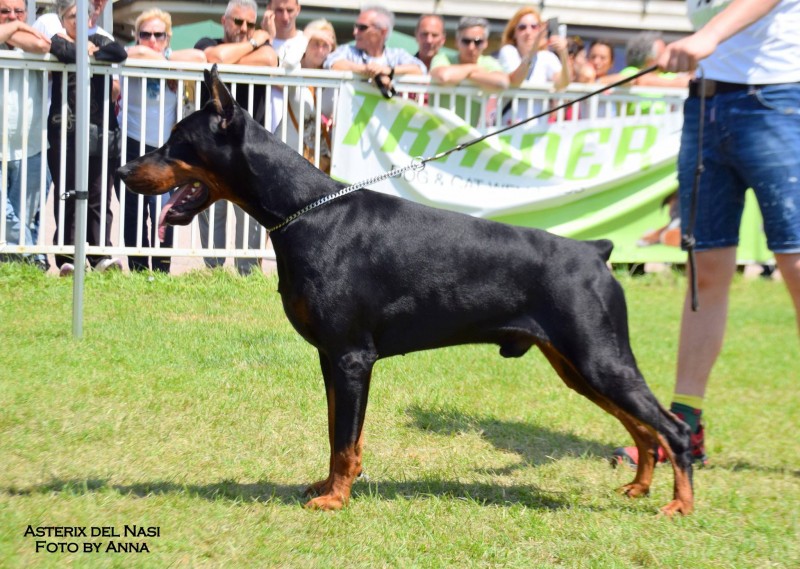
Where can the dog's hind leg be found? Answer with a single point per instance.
(347, 384)
(646, 444)
(619, 389)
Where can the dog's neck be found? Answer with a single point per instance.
(281, 180)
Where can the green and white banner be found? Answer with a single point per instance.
(587, 179)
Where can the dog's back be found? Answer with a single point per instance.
(423, 278)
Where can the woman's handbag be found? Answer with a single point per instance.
(96, 142)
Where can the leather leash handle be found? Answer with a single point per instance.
(687, 240)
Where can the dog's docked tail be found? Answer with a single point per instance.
(603, 247)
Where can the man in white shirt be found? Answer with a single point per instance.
(23, 117)
(280, 21)
(370, 57)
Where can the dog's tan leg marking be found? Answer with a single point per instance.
(645, 443)
(683, 496)
(645, 437)
(346, 465)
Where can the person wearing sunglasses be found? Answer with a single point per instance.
(16, 35)
(242, 44)
(526, 53)
(370, 57)
(148, 125)
(472, 67)
(472, 38)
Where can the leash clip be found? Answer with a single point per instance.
(78, 195)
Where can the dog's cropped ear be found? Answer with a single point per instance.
(220, 96)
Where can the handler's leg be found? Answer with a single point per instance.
(789, 265)
(702, 332)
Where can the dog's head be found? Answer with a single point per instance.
(197, 159)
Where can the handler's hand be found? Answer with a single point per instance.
(686, 53)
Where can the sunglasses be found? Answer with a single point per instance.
(17, 11)
(157, 35)
(477, 42)
(523, 27)
(361, 27)
(238, 23)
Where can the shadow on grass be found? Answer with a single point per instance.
(534, 444)
(537, 445)
(266, 492)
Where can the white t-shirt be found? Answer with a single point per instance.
(49, 25)
(289, 59)
(764, 53)
(544, 68)
(22, 115)
(290, 51)
(153, 94)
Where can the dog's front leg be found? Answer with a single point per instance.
(324, 486)
(347, 389)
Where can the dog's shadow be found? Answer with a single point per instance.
(266, 492)
(535, 445)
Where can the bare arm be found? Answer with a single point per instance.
(561, 80)
(188, 55)
(21, 35)
(242, 53)
(144, 52)
(407, 69)
(455, 74)
(684, 54)
(357, 68)
(452, 74)
(657, 80)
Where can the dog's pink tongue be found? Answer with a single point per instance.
(162, 227)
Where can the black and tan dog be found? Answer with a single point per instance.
(367, 276)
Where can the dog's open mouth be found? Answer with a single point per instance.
(187, 201)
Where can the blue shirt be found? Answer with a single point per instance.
(392, 56)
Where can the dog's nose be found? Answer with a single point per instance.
(124, 171)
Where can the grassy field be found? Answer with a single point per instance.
(192, 406)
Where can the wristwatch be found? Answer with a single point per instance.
(254, 43)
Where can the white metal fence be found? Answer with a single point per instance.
(243, 237)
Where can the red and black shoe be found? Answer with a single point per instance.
(629, 456)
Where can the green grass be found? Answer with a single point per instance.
(191, 405)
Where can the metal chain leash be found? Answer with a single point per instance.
(416, 164)
(419, 163)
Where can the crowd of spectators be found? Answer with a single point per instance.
(531, 51)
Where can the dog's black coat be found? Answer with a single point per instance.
(369, 276)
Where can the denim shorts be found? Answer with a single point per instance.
(751, 139)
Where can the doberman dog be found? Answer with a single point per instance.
(368, 276)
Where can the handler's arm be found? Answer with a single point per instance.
(684, 54)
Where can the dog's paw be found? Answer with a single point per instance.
(634, 490)
(328, 502)
(319, 488)
(676, 507)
